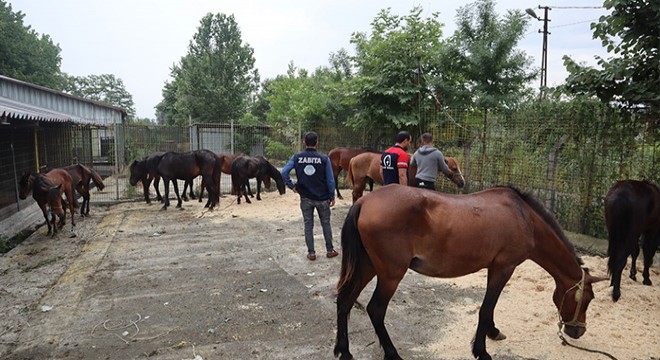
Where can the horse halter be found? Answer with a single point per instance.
(578, 298)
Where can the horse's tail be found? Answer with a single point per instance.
(617, 220)
(349, 173)
(352, 251)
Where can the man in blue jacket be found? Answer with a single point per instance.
(316, 187)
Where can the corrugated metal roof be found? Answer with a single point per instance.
(20, 100)
(17, 110)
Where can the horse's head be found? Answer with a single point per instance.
(456, 176)
(279, 180)
(572, 304)
(25, 184)
(138, 172)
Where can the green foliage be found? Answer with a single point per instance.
(105, 88)
(24, 54)
(480, 66)
(299, 101)
(276, 150)
(214, 82)
(630, 76)
(389, 84)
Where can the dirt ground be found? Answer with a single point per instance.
(133, 282)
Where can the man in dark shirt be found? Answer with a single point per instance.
(316, 187)
(394, 161)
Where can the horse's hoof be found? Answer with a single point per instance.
(498, 337)
(633, 277)
(647, 282)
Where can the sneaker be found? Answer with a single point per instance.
(311, 256)
(331, 254)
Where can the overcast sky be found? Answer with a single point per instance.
(139, 40)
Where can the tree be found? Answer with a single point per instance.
(26, 55)
(104, 88)
(631, 31)
(216, 80)
(389, 84)
(480, 65)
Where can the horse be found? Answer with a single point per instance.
(632, 209)
(47, 190)
(367, 166)
(226, 160)
(146, 171)
(81, 177)
(340, 158)
(246, 167)
(397, 228)
(187, 166)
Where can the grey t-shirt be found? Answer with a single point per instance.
(428, 161)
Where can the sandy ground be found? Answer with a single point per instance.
(135, 282)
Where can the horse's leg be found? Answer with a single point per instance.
(371, 184)
(145, 188)
(166, 198)
(650, 243)
(44, 210)
(157, 185)
(175, 182)
(634, 253)
(201, 192)
(81, 191)
(385, 288)
(620, 262)
(69, 197)
(486, 326)
(358, 188)
(247, 184)
(258, 189)
(184, 196)
(336, 175)
(345, 300)
(192, 193)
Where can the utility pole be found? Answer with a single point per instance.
(544, 54)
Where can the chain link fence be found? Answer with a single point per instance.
(567, 165)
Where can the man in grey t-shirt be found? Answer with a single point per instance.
(428, 161)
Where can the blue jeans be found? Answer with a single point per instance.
(323, 208)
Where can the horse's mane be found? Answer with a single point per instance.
(549, 218)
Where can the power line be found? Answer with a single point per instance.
(576, 7)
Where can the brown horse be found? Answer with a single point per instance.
(47, 190)
(246, 167)
(82, 176)
(367, 166)
(632, 209)
(340, 158)
(397, 228)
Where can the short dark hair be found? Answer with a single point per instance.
(427, 137)
(402, 136)
(311, 138)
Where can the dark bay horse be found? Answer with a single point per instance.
(82, 178)
(146, 171)
(246, 167)
(367, 166)
(397, 228)
(632, 209)
(340, 157)
(225, 167)
(47, 190)
(187, 166)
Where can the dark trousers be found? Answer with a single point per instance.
(424, 184)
